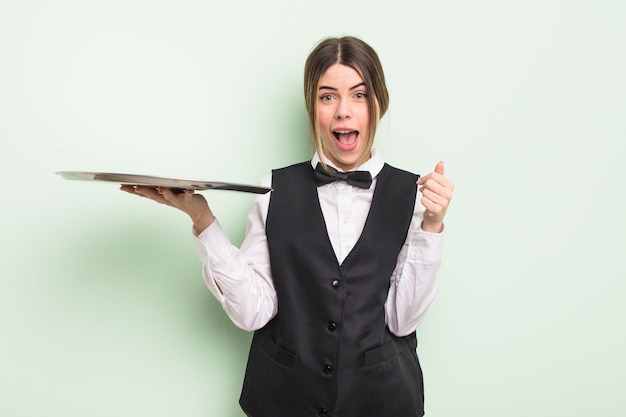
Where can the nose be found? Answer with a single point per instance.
(343, 110)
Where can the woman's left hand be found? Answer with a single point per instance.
(436, 192)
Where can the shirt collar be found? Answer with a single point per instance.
(374, 165)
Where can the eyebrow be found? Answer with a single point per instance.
(325, 87)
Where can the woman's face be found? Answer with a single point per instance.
(343, 116)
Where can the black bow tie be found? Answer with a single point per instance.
(361, 179)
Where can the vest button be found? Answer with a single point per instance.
(322, 412)
(335, 283)
(332, 326)
(327, 370)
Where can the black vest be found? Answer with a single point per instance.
(328, 351)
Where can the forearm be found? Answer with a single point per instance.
(245, 295)
(413, 284)
(239, 279)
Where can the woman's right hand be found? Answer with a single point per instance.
(192, 204)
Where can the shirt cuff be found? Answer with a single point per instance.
(213, 237)
(425, 247)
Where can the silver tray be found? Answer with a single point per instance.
(175, 184)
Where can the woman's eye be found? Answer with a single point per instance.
(326, 97)
(360, 95)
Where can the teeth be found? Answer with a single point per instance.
(344, 131)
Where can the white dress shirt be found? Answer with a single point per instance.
(246, 290)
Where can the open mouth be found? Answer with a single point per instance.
(346, 137)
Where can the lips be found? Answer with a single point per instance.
(347, 138)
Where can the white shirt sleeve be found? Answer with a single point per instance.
(413, 282)
(240, 279)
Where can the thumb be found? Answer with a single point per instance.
(439, 168)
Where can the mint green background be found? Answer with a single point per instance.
(102, 307)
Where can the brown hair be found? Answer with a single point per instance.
(356, 54)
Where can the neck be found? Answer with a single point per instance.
(366, 156)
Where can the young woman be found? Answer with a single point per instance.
(339, 261)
